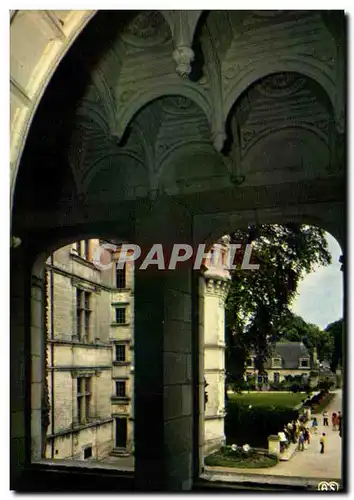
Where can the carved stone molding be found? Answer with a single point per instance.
(177, 105)
(15, 242)
(182, 24)
(281, 84)
(147, 29)
(217, 286)
(183, 57)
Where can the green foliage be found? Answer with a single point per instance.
(266, 399)
(259, 299)
(325, 385)
(293, 328)
(254, 425)
(325, 400)
(252, 459)
(296, 387)
(336, 331)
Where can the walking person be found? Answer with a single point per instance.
(301, 442)
(293, 432)
(315, 425)
(307, 435)
(322, 442)
(334, 421)
(325, 418)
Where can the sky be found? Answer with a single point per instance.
(320, 294)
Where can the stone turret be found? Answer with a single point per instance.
(216, 278)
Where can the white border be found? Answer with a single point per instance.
(5, 185)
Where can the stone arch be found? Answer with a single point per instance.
(274, 216)
(283, 64)
(39, 261)
(212, 170)
(124, 171)
(51, 38)
(264, 148)
(142, 99)
(37, 329)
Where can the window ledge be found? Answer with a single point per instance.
(120, 341)
(120, 324)
(120, 399)
(79, 343)
(59, 475)
(87, 464)
(81, 260)
(121, 363)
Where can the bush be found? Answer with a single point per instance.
(326, 384)
(252, 459)
(276, 386)
(254, 425)
(296, 387)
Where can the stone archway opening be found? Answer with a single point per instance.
(330, 282)
(82, 355)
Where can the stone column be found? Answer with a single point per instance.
(19, 332)
(27, 361)
(163, 357)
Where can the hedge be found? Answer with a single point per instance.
(254, 425)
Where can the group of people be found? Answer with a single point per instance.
(298, 431)
(336, 421)
(294, 432)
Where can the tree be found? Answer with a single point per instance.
(293, 328)
(336, 331)
(259, 299)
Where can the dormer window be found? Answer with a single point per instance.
(276, 362)
(304, 363)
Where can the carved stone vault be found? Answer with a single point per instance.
(183, 102)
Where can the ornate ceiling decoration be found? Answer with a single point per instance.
(281, 84)
(178, 105)
(166, 111)
(147, 29)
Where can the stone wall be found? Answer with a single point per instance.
(69, 356)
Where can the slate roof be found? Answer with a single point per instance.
(290, 352)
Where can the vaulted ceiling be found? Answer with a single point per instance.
(181, 102)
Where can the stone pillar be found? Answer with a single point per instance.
(274, 445)
(163, 357)
(27, 350)
(19, 395)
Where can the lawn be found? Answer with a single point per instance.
(279, 399)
